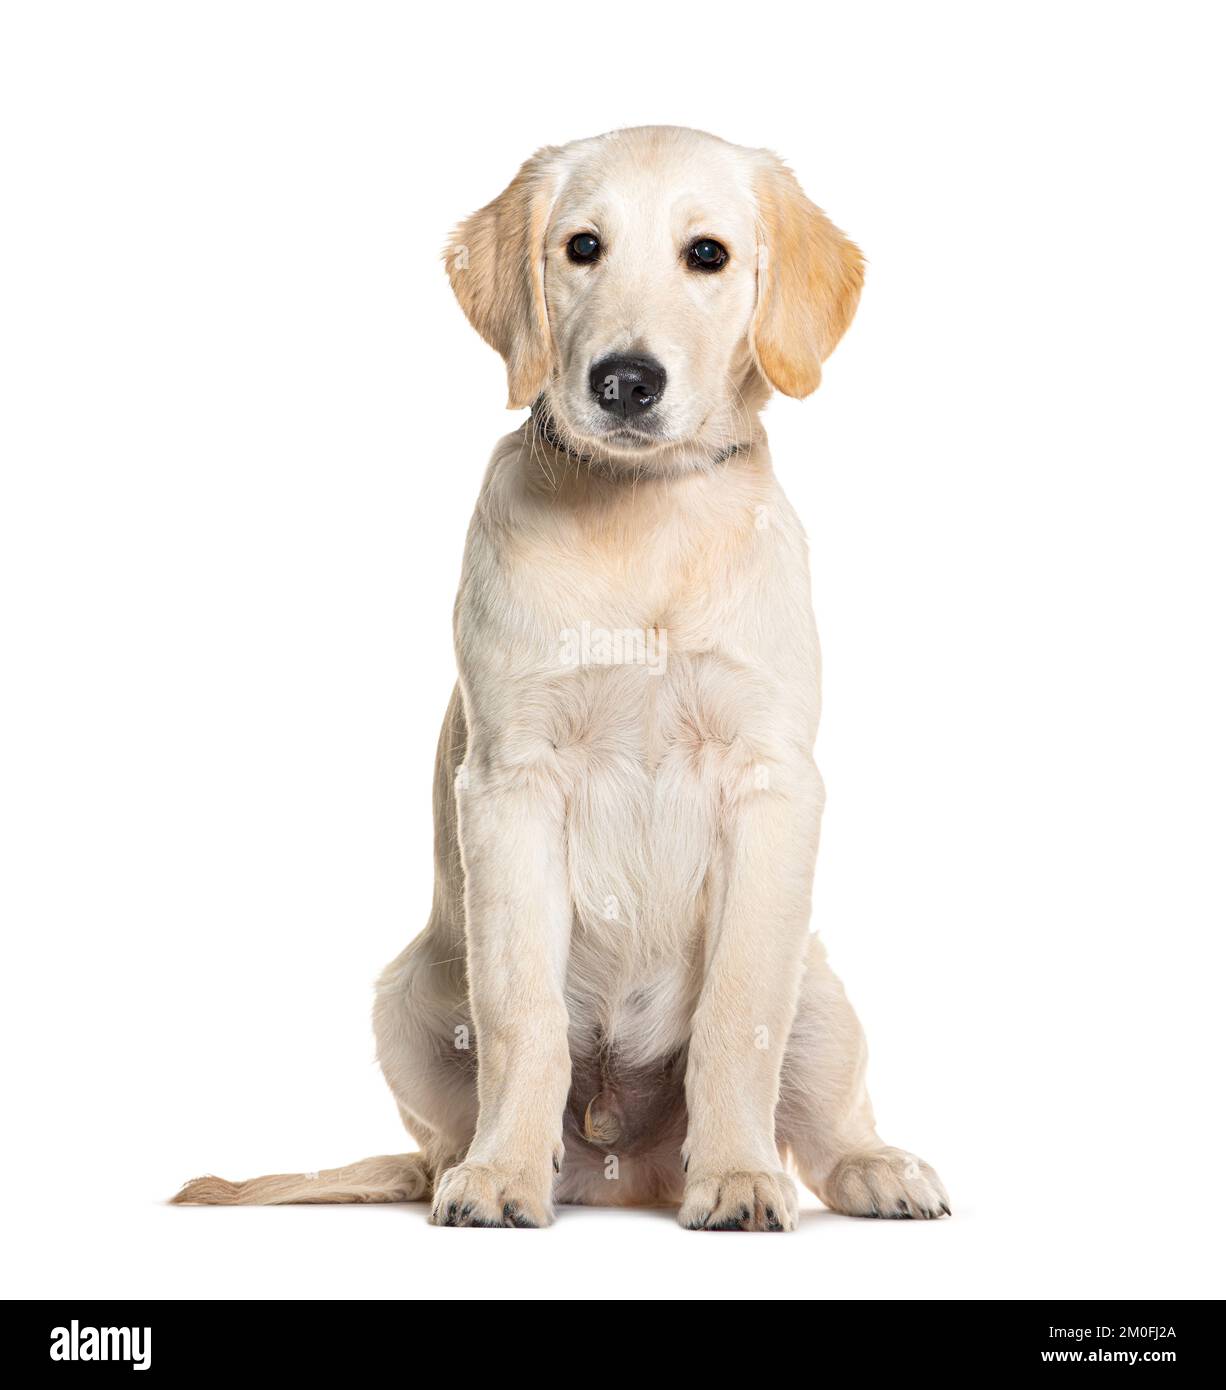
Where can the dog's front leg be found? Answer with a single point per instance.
(518, 928)
(754, 960)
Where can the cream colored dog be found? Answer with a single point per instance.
(617, 999)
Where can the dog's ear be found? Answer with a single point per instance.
(809, 278)
(495, 261)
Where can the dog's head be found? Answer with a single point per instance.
(650, 285)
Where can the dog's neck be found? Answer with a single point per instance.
(544, 429)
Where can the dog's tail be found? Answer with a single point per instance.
(390, 1178)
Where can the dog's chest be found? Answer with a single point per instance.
(649, 757)
(657, 712)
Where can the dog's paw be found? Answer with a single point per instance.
(479, 1194)
(739, 1201)
(885, 1182)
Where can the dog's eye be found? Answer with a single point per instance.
(707, 255)
(583, 249)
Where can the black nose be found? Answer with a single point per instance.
(627, 386)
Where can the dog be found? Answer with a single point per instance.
(617, 999)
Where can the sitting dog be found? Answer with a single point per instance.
(617, 999)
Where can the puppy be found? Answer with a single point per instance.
(617, 999)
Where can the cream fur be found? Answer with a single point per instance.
(624, 852)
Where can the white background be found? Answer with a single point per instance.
(243, 425)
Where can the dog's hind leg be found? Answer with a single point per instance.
(427, 1049)
(825, 1119)
(432, 1074)
(427, 1064)
(424, 1038)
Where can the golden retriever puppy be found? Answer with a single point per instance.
(617, 998)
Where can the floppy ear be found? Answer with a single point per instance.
(809, 278)
(495, 261)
